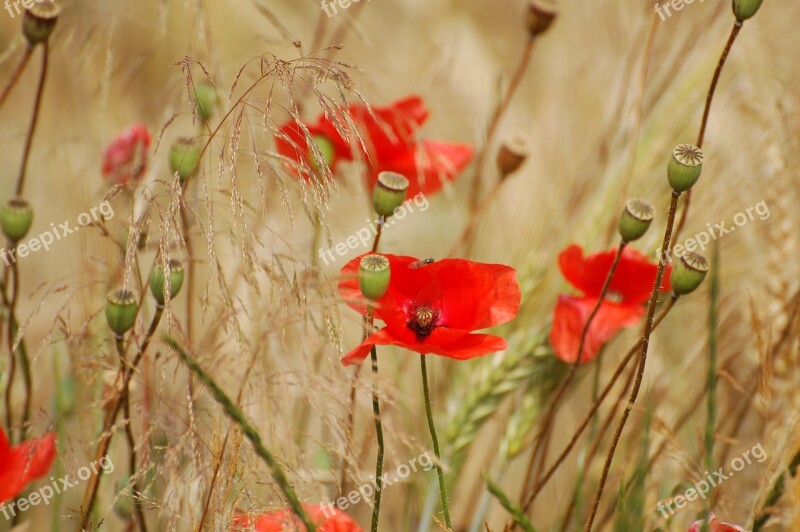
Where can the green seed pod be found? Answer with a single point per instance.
(635, 219)
(325, 149)
(688, 273)
(16, 218)
(64, 400)
(158, 282)
(39, 21)
(205, 99)
(183, 158)
(684, 167)
(512, 154)
(389, 193)
(373, 276)
(539, 18)
(121, 311)
(744, 9)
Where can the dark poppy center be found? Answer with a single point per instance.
(423, 319)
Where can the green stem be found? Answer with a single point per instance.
(513, 509)
(432, 427)
(376, 409)
(250, 432)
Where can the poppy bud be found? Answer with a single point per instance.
(684, 167)
(512, 155)
(121, 311)
(39, 21)
(158, 281)
(635, 219)
(389, 193)
(16, 218)
(205, 98)
(373, 276)
(183, 158)
(325, 147)
(744, 9)
(539, 18)
(688, 273)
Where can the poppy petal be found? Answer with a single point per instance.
(427, 165)
(24, 463)
(570, 316)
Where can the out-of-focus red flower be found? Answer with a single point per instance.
(125, 159)
(387, 139)
(434, 308)
(21, 464)
(623, 307)
(715, 525)
(328, 519)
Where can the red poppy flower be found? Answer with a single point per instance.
(327, 518)
(125, 159)
(387, 136)
(292, 143)
(24, 463)
(434, 308)
(715, 525)
(623, 307)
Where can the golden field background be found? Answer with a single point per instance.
(602, 111)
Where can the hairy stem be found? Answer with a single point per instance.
(376, 410)
(432, 427)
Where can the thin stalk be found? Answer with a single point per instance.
(587, 419)
(37, 105)
(516, 79)
(16, 74)
(432, 427)
(113, 411)
(637, 384)
(711, 399)
(376, 410)
(249, 431)
(544, 434)
(737, 27)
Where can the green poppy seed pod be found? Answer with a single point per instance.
(39, 21)
(64, 400)
(373, 276)
(121, 311)
(16, 218)
(183, 158)
(325, 149)
(744, 9)
(636, 219)
(539, 18)
(684, 167)
(389, 193)
(158, 281)
(512, 154)
(206, 99)
(688, 273)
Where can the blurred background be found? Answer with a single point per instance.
(606, 93)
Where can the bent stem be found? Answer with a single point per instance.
(37, 105)
(16, 74)
(737, 27)
(247, 428)
(432, 427)
(544, 435)
(376, 410)
(637, 384)
(590, 415)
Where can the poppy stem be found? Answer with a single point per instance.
(737, 27)
(250, 432)
(432, 427)
(592, 411)
(37, 105)
(376, 409)
(15, 75)
(637, 384)
(542, 442)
